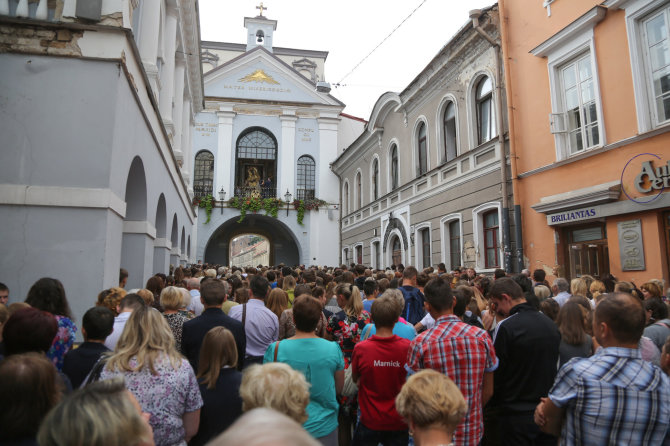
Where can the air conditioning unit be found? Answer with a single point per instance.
(89, 10)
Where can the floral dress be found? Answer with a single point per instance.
(166, 396)
(346, 331)
(63, 341)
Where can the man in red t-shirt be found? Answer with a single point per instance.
(378, 368)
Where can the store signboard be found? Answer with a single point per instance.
(631, 249)
(573, 215)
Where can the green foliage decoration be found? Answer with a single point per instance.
(206, 202)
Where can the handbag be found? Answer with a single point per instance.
(350, 389)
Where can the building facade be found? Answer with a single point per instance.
(427, 182)
(97, 115)
(267, 134)
(589, 131)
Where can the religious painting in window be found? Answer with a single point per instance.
(396, 251)
(491, 231)
(203, 174)
(306, 178)
(256, 164)
(449, 132)
(422, 165)
(375, 179)
(425, 247)
(484, 108)
(454, 244)
(394, 167)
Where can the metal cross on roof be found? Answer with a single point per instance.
(261, 8)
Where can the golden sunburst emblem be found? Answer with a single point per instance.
(258, 76)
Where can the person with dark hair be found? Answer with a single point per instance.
(29, 330)
(49, 295)
(526, 343)
(378, 368)
(463, 352)
(550, 308)
(441, 268)
(4, 294)
(499, 274)
(414, 310)
(123, 277)
(128, 304)
(371, 291)
(320, 361)
(659, 330)
(539, 276)
(260, 324)
(272, 278)
(575, 341)
(29, 388)
(613, 397)
(212, 294)
(97, 324)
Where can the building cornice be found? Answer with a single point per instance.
(587, 21)
(588, 196)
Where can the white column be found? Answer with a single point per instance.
(168, 70)
(224, 158)
(178, 105)
(286, 159)
(148, 40)
(186, 150)
(328, 185)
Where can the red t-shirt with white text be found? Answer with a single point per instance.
(380, 362)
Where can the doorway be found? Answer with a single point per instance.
(588, 253)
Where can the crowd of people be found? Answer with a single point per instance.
(338, 356)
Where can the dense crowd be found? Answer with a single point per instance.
(338, 356)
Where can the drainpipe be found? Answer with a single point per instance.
(507, 253)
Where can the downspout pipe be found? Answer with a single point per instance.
(507, 251)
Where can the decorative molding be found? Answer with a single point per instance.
(588, 196)
(585, 22)
(139, 227)
(395, 223)
(75, 197)
(163, 243)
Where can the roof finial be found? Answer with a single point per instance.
(261, 8)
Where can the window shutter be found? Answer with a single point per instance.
(557, 123)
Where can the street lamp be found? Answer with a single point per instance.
(222, 197)
(287, 197)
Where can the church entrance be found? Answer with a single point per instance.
(227, 244)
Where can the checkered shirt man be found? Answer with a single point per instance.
(463, 353)
(613, 397)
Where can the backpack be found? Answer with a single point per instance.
(414, 310)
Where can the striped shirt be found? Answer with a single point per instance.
(612, 398)
(463, 352)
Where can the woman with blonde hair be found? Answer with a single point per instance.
(346, 326)
(433, 406)
(172, 301)
(651, 290)
(277, 301)
(578, 287)
(289, 286)
(277, 386)
(101, 414)
(219, 384)
(110, 298)
(160, 378)
(597, 290)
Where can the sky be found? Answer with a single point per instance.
(349, 30)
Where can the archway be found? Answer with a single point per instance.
(283, 246)
(136, 243)
(161, 248)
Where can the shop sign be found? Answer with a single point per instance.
(573, 215)
(651, 178)
(631, 249)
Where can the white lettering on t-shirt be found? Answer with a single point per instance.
(378, 363)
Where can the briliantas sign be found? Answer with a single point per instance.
(574, 215)
(652, 178)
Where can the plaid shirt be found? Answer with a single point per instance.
(613, 397)
(462, 352)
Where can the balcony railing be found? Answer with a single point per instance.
(256, 192)
(25, 9)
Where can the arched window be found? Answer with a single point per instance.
(422, 165)
(375, 179)
(359, 190)
(485, 113)
(203, 174)
(345, 199)
(394, 167)
(449, 130)
(255, 165)
(306, 177)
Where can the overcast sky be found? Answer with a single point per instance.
(349, 30)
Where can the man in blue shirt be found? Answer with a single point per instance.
(613, 397)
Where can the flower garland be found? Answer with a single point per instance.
(253, 204)
(206, 202)
(271, 206)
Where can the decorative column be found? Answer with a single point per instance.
(178, 105)
(148, 40)
(186, 132)
(168, 70)
(286, 159)
(224, 158)
(327, 183)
